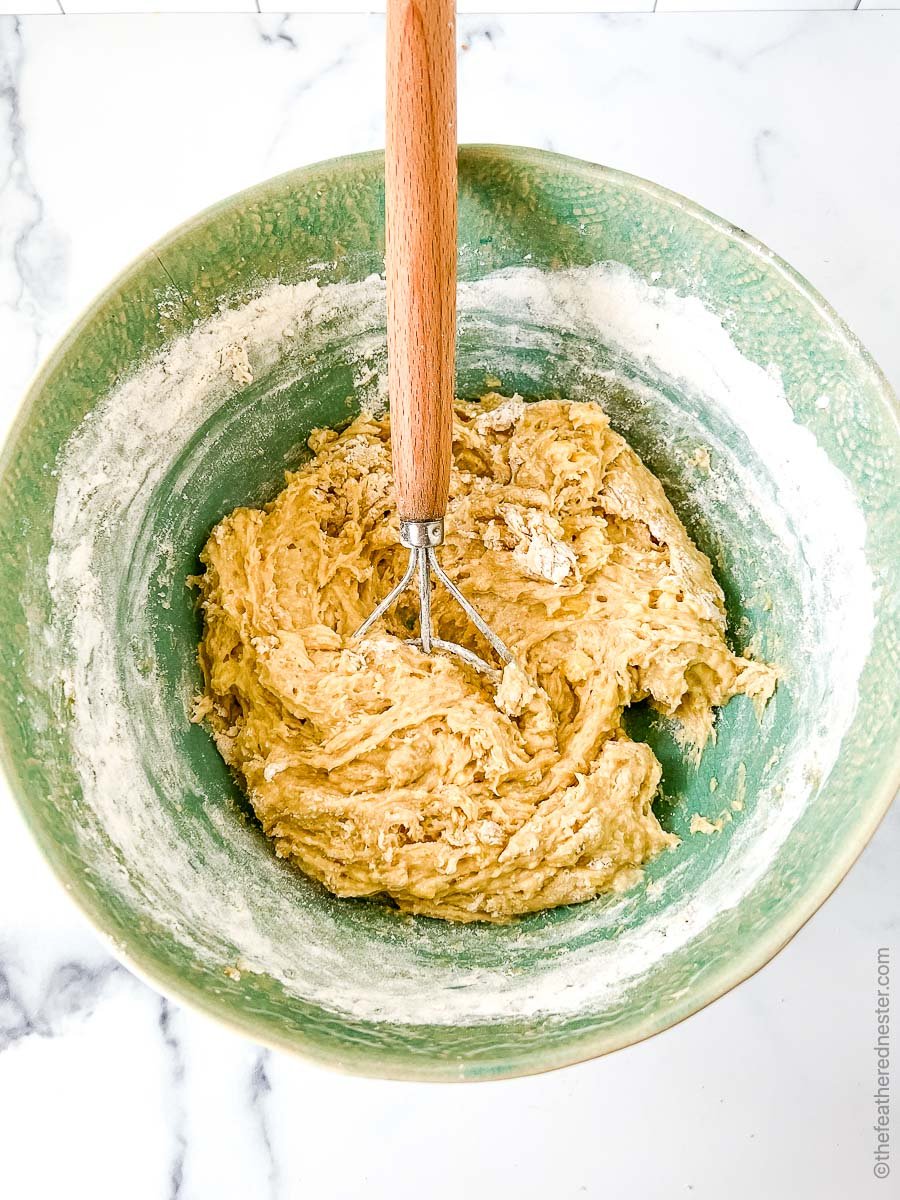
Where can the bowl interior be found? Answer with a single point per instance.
(774, 436)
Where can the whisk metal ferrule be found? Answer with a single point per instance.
(419, 535)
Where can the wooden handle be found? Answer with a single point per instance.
(420, 249)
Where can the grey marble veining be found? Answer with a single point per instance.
(260, 1092)
(72, 993)
(113, 131)
(32, 253)
(174, 1058)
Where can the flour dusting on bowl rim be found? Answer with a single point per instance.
(111, 464)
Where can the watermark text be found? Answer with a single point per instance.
(882, 1097)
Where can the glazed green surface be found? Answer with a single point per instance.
(517, 207)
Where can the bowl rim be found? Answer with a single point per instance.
(737, 968)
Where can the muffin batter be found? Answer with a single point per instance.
(381, 771)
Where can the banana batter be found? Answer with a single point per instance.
(381, 771)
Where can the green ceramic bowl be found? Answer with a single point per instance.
(776, 437)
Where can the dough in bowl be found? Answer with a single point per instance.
(382, 771)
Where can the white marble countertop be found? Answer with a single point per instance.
(114, 129)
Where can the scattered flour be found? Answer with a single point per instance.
(501, 418)
(539, 549)
(236, 359)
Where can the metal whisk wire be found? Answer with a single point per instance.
(422, 537)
